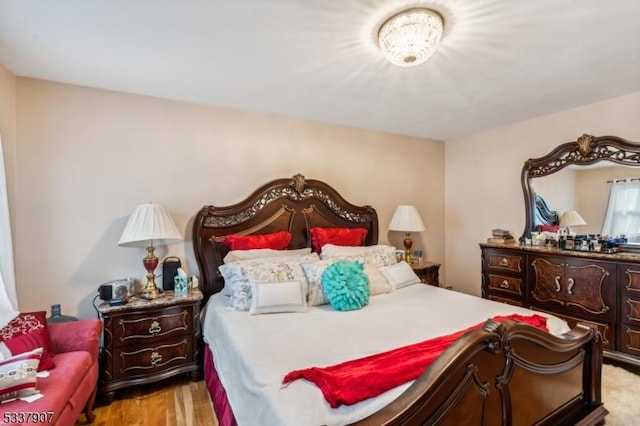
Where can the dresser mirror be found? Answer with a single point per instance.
(577, 176)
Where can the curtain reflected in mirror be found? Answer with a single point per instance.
(622, 217)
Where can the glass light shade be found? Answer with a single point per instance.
(571, 218)
(406, 219)
(411, 37)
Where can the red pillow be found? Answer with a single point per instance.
(337, 236)
(548, 228)
(276, 241)
(26, 332)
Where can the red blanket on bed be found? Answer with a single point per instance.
(354, 381)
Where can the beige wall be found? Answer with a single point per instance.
(87, 157)
(84, 158)
(482, 176)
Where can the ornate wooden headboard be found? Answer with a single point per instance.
(543, 214)
(292, 204)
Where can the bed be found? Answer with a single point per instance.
(502, 372)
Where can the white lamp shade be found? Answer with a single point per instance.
(406, 219)
(571, 218)
(149, 224)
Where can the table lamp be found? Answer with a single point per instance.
(407, 220)
(571, 218)
(149, 224)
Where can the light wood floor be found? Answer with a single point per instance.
(177, 402)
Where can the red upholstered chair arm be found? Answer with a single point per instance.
(83, 335)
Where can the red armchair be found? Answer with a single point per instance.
(71, 386)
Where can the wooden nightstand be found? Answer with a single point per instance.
(149, 340)
(428, 272)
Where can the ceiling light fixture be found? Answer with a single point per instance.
(410, 37)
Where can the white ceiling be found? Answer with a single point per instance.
(500, 61)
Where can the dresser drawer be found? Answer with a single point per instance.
(145, 327)
(630, 339)
(630, 310)
(630, 280)
(505, 284)
(145, 360)
(505, 262)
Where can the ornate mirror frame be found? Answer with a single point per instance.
(585, 151)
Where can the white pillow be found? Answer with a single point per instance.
(400, 275)
(378, 284)
(237, 276)
(18, 375)
(255, 254)
(263, 255)
(380, 255)
(274, 297)
(313, 274)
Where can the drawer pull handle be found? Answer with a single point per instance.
(571, 282)
(155, 327)
(557, 280)
(504, 284)
(504, 262)
(155, 358)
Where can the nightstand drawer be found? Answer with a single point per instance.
(144, 360)
(143, 327)
(506, 284)
(506, 262)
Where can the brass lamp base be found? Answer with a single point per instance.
(408, 243)
(150, 291)
(150, 263)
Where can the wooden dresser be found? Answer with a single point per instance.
(149, 340)
(578, 286)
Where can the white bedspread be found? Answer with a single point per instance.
(252, 354)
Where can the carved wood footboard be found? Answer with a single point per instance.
(506, 374)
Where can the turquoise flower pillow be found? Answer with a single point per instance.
(346, 285)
